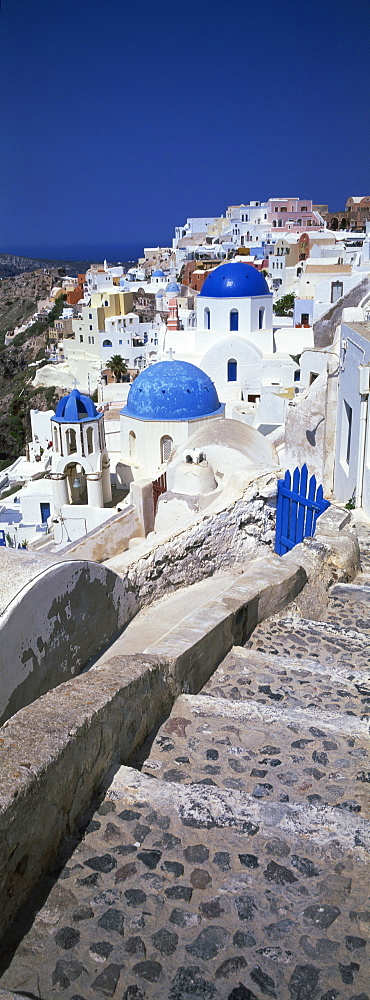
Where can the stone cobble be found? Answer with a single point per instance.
(304, 683)
(329, 642)
(234, 866)
(172, 894)
(268, 752)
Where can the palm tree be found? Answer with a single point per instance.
(117, 366)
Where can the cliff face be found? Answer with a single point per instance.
(18, 298)
(12, 264)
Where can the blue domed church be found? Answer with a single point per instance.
(233, 341)
(80, 464)
(166, 403)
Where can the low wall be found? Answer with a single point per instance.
(55, 753)
(240, 527)
(55, 624)
(108, 539)
(61, 614)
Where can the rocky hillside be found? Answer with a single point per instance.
(18, 298)
(11, 264)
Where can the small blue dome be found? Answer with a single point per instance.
(173, 287)
(172, 390)
(74, 408)
(234, 280)
(158, 274)
(159, 295)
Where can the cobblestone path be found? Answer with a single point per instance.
(235, 864)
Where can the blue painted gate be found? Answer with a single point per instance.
(297, 510)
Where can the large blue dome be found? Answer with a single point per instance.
(234, 280)
(172, 390)
(74, 408)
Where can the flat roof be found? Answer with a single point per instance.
(363, 329)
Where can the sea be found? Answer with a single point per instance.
(121, 253)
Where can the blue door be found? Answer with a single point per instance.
(45, 512)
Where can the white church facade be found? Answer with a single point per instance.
(233, 340)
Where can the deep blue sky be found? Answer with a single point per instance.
(122, 118)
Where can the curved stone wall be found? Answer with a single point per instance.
(55, 624)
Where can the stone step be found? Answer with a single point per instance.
(183, 893)
(269, 752)
(355, 592)
(329, 642)
(267, 678)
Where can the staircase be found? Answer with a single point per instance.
(230, 861)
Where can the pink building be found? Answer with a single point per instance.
(293, 214)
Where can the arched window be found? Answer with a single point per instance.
(261, 318)
(107, 343)
(274, 223)
(166, 446)
(132, 444)
(234, 319)
(90, 440)
(71, 441)
(232, 370)
(207, 319)
(56, 445)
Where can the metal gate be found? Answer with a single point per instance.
(297, 509)
(159, 486)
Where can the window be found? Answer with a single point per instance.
(132, 444)
(90, 327)
(106, 303)
(253, 398)
(56, 439)
(297, 375)
(305, 319)
(89, 340)
(336, 290)
(303, 208)
(90, 440)
(120, 341)
(234, 320)
(261, 318)
(107, 343)
(207, 319)
(81, 339)
(71, 441)
(232, 369)
(92, 340)
(166, 446)
(90, 315)
(346, 431)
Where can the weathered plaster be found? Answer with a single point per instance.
(54, 625)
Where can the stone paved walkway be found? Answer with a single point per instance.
(235, 864)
